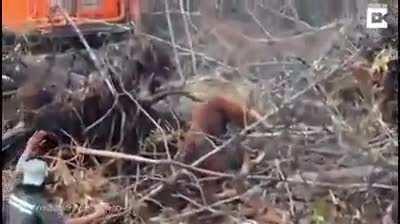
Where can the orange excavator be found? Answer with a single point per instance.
(43, 18)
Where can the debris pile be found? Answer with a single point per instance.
(313, 144)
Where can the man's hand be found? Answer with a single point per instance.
(39, 142)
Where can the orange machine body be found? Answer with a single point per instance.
(38, 14)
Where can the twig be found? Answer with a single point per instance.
(294, 20)
(283, 177)
(98, 121)
(92, 55)
(152, 120)
(188, 35)
(196, 211)
(122, 128)
(163, 94)
(198, 185)
(290, 5)
(172, 36)
(118, 155)
(197, 204)
(324, 184)
(153, 192)
(214, 151)
(206, 57)
(257, 21)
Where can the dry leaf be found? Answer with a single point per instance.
(258, 209)
(62, 173)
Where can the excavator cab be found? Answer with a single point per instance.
(46, 18)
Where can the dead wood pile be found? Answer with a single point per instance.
(326, 150)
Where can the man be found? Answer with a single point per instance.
(28, 204)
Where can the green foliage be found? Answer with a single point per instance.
(321, 212)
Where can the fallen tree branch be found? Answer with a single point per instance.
(162, 95)
(119, 155)
(172, 37)
(188, 35)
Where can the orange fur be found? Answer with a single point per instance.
(210, 119)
